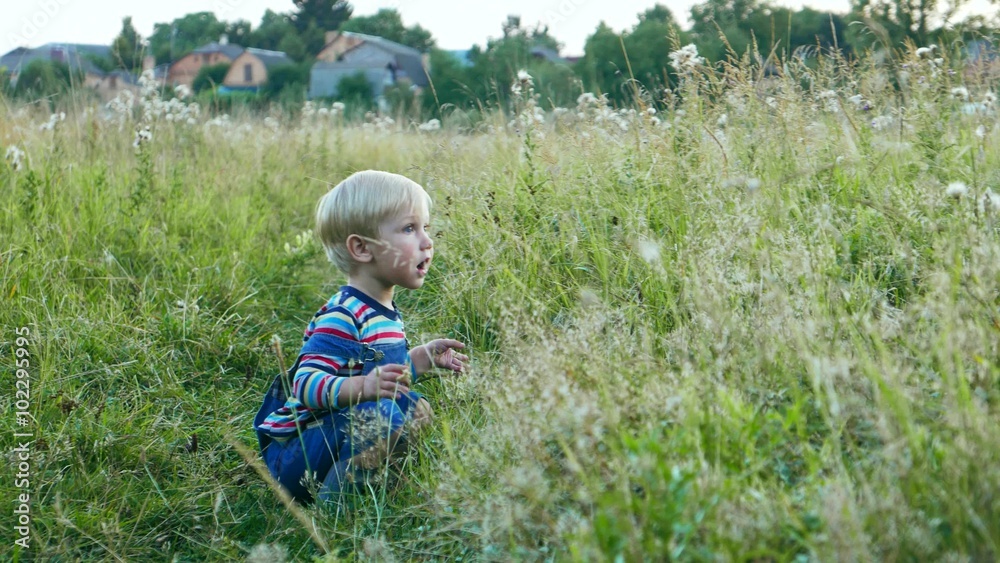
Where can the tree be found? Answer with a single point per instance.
(494, 68)
(326, 15)
(895, 21)
(273, 28)
(730, 18)
(313, 18)
(604, 67)
(788, 30)
(126, 49)
(171, 41)
(388, 24)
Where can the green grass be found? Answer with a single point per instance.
(775, 339)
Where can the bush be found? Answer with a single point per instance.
(210, 76)
(355, 90)
(289, 81)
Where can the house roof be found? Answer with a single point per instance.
(408, 59)
(76, 55)
(229, 49)
(269, 58)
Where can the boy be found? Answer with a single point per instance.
(345, 409)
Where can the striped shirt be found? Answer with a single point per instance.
(349, 314)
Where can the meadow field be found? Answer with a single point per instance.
(754, 319)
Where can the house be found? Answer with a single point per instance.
(382, 62)
(249, 71)
(82, 60)
(185, 69)
(78, 57)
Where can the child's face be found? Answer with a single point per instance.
(403, 255)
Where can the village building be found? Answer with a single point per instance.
(82, 61)
(185, 69)
(249, 71)
(383, 63)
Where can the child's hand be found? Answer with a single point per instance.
(442, 354)
(386, 382)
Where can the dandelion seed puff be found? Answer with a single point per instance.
(753, 184)
(142, 136)
(432, 125)
(981, 131)
(881, 122)
(649, 251)
(686, 58)
(960, 93)
(924, 52)
(956, 190)
(267, 553)
(722, 121)
(15, 157)
(991, 201)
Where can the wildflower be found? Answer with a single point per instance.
(337, 107)
(956, 190)
(686, 58)
(15, 156)
(925, 52)
(989, 98)
(432, 125)
(142, 136)
(981, 131)
(650, 111)
(185, 306)
(722, 121)
(182, 91)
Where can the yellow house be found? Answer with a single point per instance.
(249, 71)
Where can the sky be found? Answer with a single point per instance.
(456, 24)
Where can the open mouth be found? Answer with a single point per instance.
(422, 267)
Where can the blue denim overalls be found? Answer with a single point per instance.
(332, 438)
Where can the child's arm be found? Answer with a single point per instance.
(384, 382)
(438, 353)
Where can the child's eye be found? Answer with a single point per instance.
(408, 229)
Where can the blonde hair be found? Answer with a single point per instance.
(359, 204)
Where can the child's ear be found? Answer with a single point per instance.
(358, 248)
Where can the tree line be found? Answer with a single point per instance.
(613, 63)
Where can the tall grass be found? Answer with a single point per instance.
(752, 323)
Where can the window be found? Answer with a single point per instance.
(247, 72)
